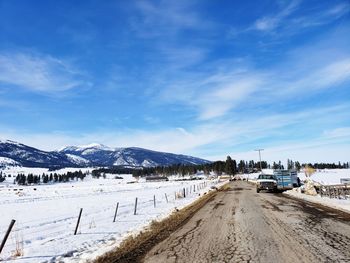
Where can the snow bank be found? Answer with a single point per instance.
(340, 204)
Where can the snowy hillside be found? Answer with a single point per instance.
(4, 162)
(31, 157)
(88, 155)
(99, 154)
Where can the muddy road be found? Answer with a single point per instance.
(240, 225)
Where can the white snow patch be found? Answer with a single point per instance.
(77, 159)
(120, 161)
(340, 204)
(327, 176)
(4, 161)
(148, 163)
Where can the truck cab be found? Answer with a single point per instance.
(266, 182)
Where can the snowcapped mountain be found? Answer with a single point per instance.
(14, 153)
(99, 154)
(24, 155)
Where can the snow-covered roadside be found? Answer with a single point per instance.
(327, 176)
(46, 215)
(340, 204)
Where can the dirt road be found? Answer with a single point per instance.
(240, 225)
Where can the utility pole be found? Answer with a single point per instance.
(259, 150)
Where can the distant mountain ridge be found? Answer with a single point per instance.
(14, 153)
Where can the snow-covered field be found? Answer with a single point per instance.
(328, 176)
(14, 170)
(46, 215)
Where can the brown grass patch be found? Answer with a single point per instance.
(133, 249)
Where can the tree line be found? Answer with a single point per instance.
(23, 179)
(328, 165)
(230, 167)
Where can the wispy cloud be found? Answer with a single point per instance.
(319, 18)
(165, 18)
(226, 96)
(39, 73)
(268, 23)
(327, 77)
(226, 135)
(214, 93)
(293, 17)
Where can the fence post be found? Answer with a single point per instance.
(7, 234)
(76, 228)
(135, 209)
(166, 198)
(184, 193)
(154, 201)
(116, 212)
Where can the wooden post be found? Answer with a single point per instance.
(116, 212)
(76, 228)
(166, 198)
(7, 234)
(135, 209)
(154, 201)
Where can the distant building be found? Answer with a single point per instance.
(156, 179)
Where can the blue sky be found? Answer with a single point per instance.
(205, 78)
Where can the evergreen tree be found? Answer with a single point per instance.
(230, 166)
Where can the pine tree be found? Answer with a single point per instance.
(230, 166)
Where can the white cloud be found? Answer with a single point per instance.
(289, 21)
(37, 72)
(165, 18)
(224, 137)
(221, 99)
(338, 133)
(269, 23)
(340, 9)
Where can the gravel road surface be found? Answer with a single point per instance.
(240, 225)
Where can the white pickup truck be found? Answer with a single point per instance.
(266, 182)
